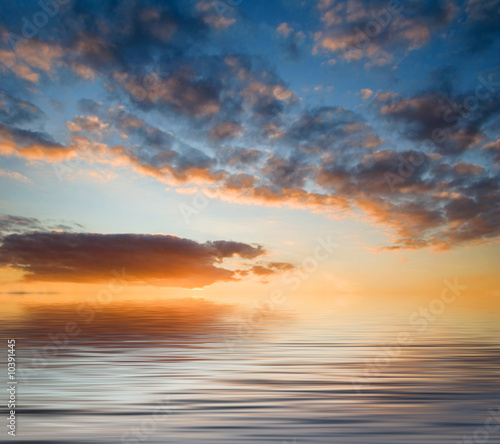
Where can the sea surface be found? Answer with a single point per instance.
(193, 371)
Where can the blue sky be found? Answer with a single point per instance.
(308, 116)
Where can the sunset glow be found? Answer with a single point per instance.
(209, 191)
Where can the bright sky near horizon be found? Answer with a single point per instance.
(341, 150)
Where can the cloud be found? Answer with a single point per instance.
(325, 129)
(264, 271)
(286, 172)
(158, 60)
(284, 29)
(88, 124)
(217, 14)
(27, 58)
(19, 224)
(89, 106)
(366, 93)
(32, 145)
(18, 136)
(493, 148)
(39, 55)
(202, 115)
(481, 26)
(451, 121)
(225, 130)
(432, 203)
(240, 157)
(330, 160)
(14, 175)
(291, 41)
(271, 268)
(16, 111)
(374, 30)
(93, 258)
(149, 150)
(8, 60)
(16, 224)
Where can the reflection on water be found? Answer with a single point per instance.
(165, 374)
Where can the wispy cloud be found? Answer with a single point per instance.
(14, 175)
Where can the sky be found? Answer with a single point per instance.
(345, 152)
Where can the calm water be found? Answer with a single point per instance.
(181, 373)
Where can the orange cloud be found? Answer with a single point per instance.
(132, 258)
(31, 145)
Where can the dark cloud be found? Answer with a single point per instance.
(286, 173)
(264, 271)
(137, 258)
(181, 164)
(225, 249)
(432, 203)
(240, 157)
(493, 149)
(31, 144)
(151, 150)
(437, 13)
(271, 268)
(225, 130)
(89, 106)
(17, 111)
(17, 224)
(374, 30)
(241, 129)
(291, 41)
(453, 122)
(330, 129)
(152, 52)
(481, 26)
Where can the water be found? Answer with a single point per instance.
(179, 372)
